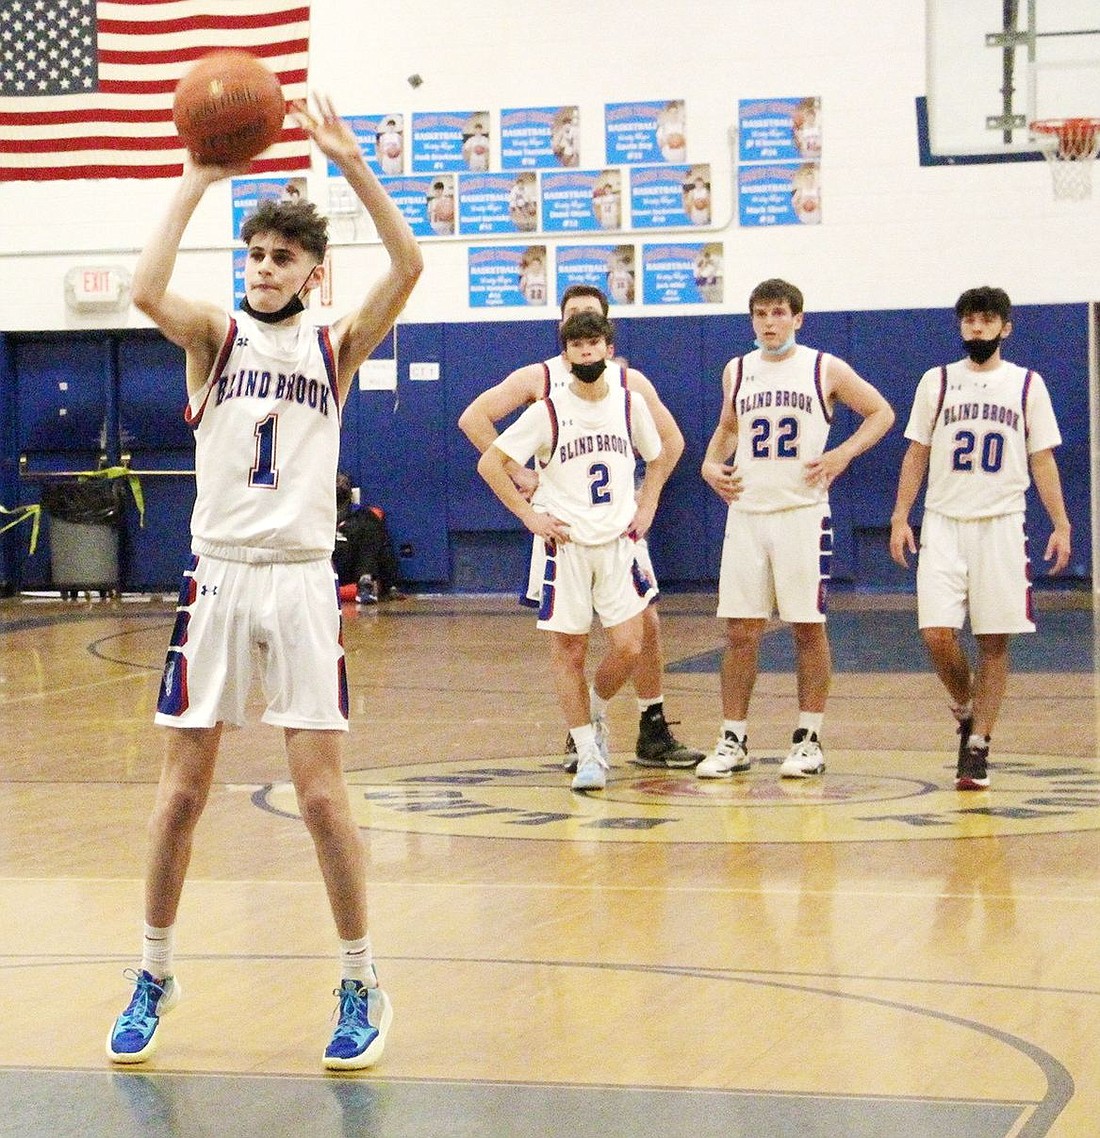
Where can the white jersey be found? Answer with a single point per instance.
(585, 452)
(981, 426)
(556, 377)
(782, 423)
(267, 443)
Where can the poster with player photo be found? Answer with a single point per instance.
(507, 276)
(580, 201)
(683, 273)
(610, 268)
(539, 138)
(450, 141)
(637, 134)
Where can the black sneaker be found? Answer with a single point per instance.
(973, 771)
(658, 747)
(966, 726)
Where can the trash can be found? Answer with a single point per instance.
(85, 515)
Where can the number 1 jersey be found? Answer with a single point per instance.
(267, 443)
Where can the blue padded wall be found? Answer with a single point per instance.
(405, 451)
(14, 541)
(394, 446)
(151, 400)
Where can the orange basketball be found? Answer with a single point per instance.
(228, 108)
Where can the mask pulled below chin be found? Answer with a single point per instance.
(292, 307)
(786, 346)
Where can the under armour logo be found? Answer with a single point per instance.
(211, 589)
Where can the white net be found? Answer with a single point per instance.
(1070, 147)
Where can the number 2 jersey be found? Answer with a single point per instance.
(585, 451)
(782, 423)
(267, 444)
(980, 426)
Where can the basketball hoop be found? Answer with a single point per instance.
(1069, 146)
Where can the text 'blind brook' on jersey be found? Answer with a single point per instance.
(277, 387)
(782, 423)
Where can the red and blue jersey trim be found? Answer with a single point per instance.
(1023, 401)
(328, 355)
(219, 365)
(552, 411)
(819, 369)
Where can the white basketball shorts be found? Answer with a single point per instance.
(776, 562)
(282, 619)
(978, 566)
(578, 580)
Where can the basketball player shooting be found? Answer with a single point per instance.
(264, 395)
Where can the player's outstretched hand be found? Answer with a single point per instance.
(333, 136)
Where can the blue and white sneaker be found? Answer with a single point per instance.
(360, 1036)
(133, 1037)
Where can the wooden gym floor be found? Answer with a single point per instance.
(865, 954)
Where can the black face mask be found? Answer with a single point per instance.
(981, 350)
(588, 373)
(292, 307)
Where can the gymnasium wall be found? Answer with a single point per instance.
(405, 452)
(897, 243)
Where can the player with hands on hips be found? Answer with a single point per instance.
(264, 394)
(767, 460)
(981, 430)
(656, 745)
(584, 438)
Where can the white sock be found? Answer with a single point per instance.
(645, 704)
(157, 947)
(357, 961)
(740, 727)
(583, 736)
(811, 721)
(597, 704)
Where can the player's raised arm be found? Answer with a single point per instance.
(360, 331)
(196, 326)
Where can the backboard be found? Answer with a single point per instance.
(996, 65)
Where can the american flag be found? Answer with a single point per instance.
(86, 86)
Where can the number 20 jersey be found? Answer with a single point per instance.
(267, 443)
(981, 426)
